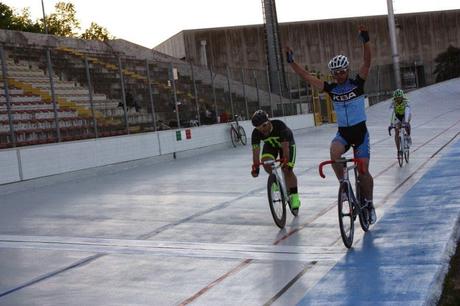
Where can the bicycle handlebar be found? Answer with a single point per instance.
(357, 161)
(403, 125)
(269, 162)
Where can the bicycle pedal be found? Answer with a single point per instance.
(354, 213)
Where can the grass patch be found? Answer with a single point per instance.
(451, 289)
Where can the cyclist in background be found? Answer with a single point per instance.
(400, 115)
(347, 95)
(278, 139)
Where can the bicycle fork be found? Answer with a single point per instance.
(282, 182)
(357, 201)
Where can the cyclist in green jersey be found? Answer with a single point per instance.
(278, 139)
(400, 115)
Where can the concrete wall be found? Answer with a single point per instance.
(422, 36)
(32, 162)
(116, 46)
(174, 46)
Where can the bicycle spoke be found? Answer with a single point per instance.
(277, 201)
(346, 218)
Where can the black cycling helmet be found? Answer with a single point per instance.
(259, 118)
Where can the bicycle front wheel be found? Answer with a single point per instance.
(242, 133)
(234, 136)
(346, 217)
(276, 200)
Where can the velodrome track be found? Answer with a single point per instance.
(198, 230)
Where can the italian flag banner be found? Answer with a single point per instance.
(183, 134)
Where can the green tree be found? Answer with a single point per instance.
(6, 16)
(447, 64)
(96, 32)
(10, 20)
(63, 21)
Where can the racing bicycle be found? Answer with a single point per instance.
(277, 192)
(403, 148)
(350, 205)
(237, 133)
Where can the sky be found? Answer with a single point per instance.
(150, 22)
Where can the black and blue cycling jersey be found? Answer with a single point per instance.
(348, 100)
(280, 133)
(273, 142)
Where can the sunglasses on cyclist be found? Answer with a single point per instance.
(339, 72)
(263, 125)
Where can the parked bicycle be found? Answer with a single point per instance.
(237, 133)
(349, 205)
(277, 192)
(404, 144)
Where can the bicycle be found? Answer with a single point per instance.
(403, 148)
(277, 192)
(237, 133)
(349, 205)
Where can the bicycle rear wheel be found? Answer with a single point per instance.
(364, 217)
(346, 218)
(406, 153)
(234, 136)
(364, 211)
(400, 153)
(242, 133)
(276, 200)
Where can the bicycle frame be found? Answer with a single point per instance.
(237, 133)
(277, 192)
(235, 124)
(279, 174)
(403, 149)
(358, 165)
(355, 206)
(357, 161)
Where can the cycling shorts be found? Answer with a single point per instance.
(272, 153)
(356, 137)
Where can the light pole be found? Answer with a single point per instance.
(50, 74)
(394, 46)
(44, 18)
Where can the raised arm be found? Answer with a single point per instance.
(364, 36)
(304, 74)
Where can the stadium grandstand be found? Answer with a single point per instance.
(97, 89)
(107, 89)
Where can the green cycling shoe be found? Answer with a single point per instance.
(295, 201)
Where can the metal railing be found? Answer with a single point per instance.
(62, 94)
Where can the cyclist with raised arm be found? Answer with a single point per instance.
(400, 115)
(278, 139)
(347, 95)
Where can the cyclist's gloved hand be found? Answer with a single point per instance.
(289, 56)
(255, 171)
(389, 129)
(363, 34)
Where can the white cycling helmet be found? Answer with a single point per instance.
(338, 62)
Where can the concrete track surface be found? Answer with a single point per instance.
(198, 230)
